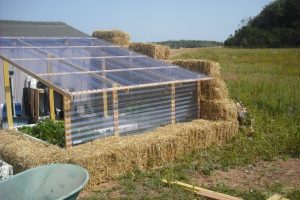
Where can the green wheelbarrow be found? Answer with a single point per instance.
(55, 181)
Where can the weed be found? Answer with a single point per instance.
(47, 130)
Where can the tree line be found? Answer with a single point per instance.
(277, 25)
(177, 44)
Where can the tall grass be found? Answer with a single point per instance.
(267, 81)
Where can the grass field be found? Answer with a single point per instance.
(267, 82)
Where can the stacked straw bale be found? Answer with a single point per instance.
(116, 37)
(215, 103)
(151, 49)
(113, 156)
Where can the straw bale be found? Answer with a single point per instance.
(210, 68)
(113, 156)
(210, 90)
(218, 110)
(116, 37)
(23, 152)
(215, 103)
(151, 49)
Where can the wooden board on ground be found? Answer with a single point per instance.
(203, 192)
(277, 197)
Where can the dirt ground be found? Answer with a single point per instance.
(258, 176)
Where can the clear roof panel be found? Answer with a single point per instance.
(77, 82)
(46, 66)
(88, 64)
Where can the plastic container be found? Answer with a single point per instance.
(55, 181)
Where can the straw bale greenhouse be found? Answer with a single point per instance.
(102, 89)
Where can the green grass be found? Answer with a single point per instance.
(267, 82)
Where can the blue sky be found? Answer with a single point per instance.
(152, 20)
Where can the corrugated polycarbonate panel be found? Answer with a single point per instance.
(19, 53)
(177, 73)
(87, 118)
(139, 110)
(77, 82)
(67, 42)
(11, 42)
(82, 56)
(130, 78)
(46, 67)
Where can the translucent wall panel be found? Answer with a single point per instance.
(138, 110)
(88, 121)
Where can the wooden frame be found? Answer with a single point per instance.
(51, 104)
(67, 120)
(199, 98)
(173, 108)
(9, 116)
(115, 111)
(104, 97)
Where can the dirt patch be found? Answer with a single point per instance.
(257, 176)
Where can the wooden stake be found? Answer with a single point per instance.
(36, 104)
(203, 192)
(199, 98)
(9, 116)
(51, 104)
(67, 119)
(116, 111)
(173, 108)
(105, 113)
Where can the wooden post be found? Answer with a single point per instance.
(67, 119)
(9, 116)
(199, 98)
(105, 112)
(115, 110)
(51, 104)
(51, 94)
(36, 104)
(173, 108)
(104, 97)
